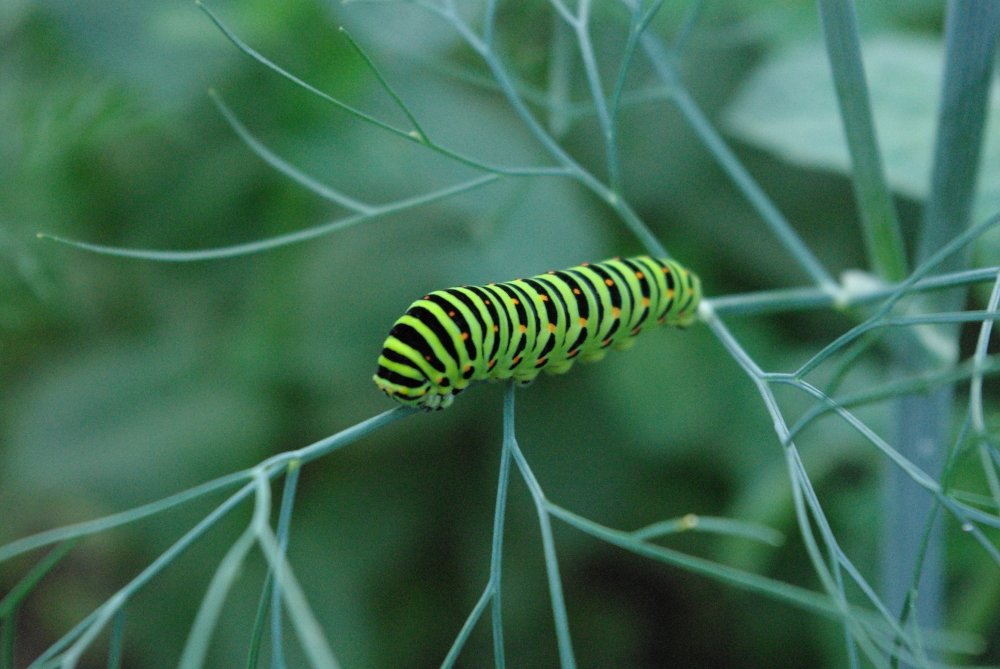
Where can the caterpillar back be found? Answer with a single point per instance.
(450, 338)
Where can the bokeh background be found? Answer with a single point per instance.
(123, 381)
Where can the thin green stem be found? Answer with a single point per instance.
(566, 658)
(686, 30)
(868, 326)
(259, 620)
(839, 559)
(976, 395)
(894, 389)
(857, 350)
(880, 224)
(973, 498)
(798, 478)
(853, 661)
(954, 317)
(975, 413)
(909, 609)
(470, 623)
(916, 474)
(900, 291)
(724, 526)
(489, 20)
(280, 165)
(116, 643)
(89, 527)
(593, 75)
(833, 586)
(12, 600)
(800, 484)
(963, 513)
(280, 240)
(989, 470)
(493, 587)
(420, 135)
(284, 527)
(564, 11)
(496, 551)
(207, 618)
(310, 634)
(623, 68)
(811, 297)
(558, 101)
(84, 632)
(417, 137)
(639, 24)
(484, 48)
(273, 466)
(796, 596)
(245, 48)
(660, 60)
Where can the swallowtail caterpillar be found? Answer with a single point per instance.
(450, 338)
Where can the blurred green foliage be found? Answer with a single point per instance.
(124, 381)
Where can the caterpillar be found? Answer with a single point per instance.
(450, 338)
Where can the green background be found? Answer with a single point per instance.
(122, 381)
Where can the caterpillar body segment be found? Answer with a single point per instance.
(451, 338)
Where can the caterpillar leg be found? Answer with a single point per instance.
(525, 378)
(559, 367)
(623, 344)
(593, 356)
(435, 402)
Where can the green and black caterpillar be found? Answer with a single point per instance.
(516, 329)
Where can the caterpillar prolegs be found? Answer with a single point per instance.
(450, 338)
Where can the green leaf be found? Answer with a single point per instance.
(788, 107)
